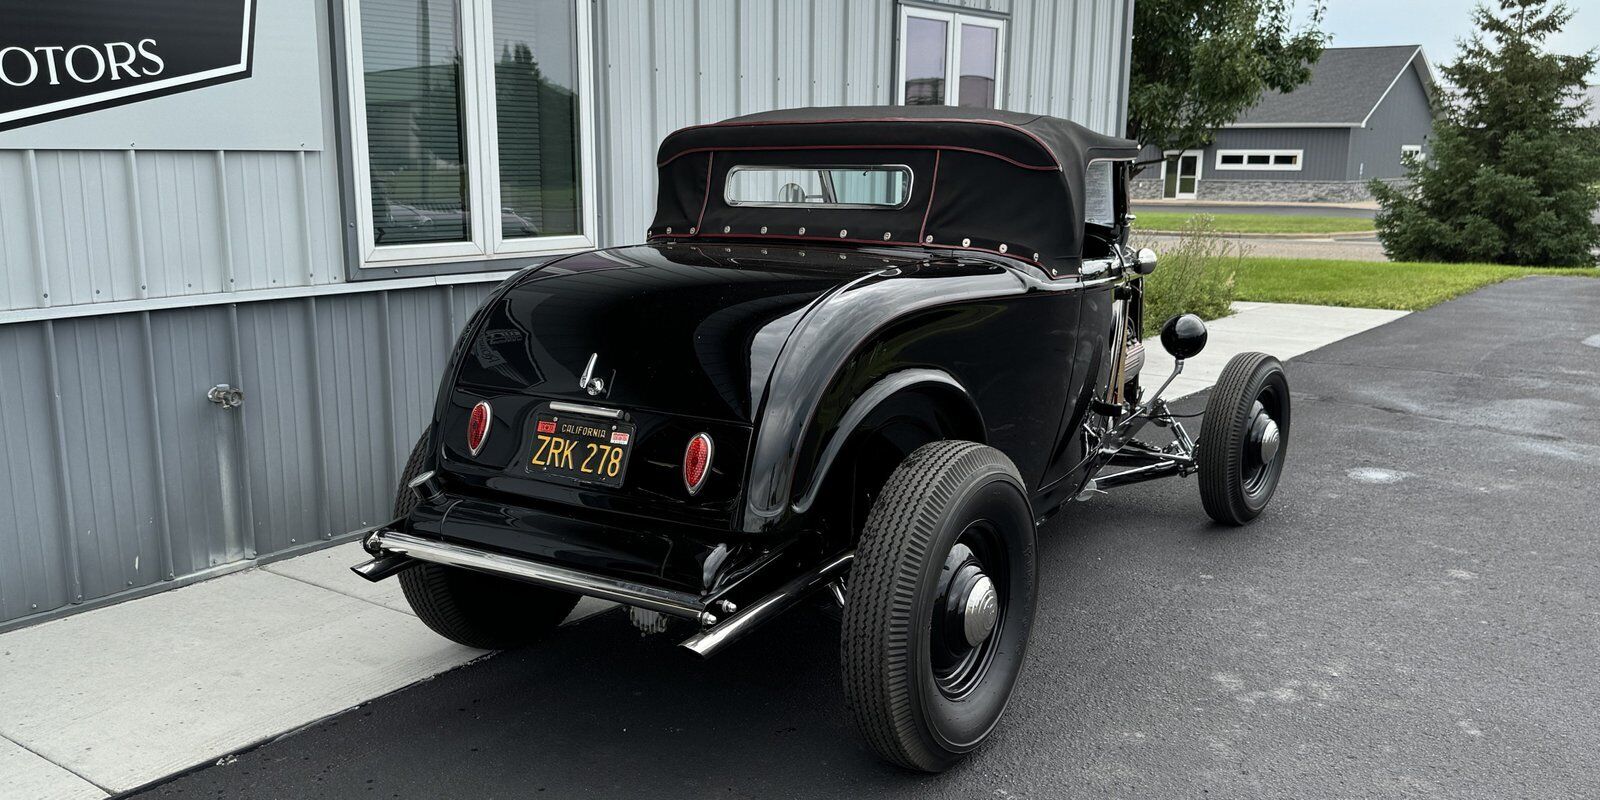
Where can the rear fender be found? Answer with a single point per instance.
(951, 410)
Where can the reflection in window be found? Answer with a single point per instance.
(854, 187)
(411, 53)
(536, 110)
(980, 58)
(924, 61)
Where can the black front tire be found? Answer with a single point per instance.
(922, 693)
(472, 608)
(1249, 402)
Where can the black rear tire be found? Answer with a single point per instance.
(922, 692)
(473, 608)
(1249, 404)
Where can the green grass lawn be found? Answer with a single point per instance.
(1370, 284)
(1253, 223)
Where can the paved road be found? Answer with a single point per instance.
(1293, 210)
(1415, 616)
(1364, 248)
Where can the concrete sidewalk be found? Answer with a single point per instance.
(120, 697)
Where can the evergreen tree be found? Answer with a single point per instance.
(1513, 176)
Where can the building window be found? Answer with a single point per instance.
(932, 41)
(1281, 160)
(1412, 152)
(471, 123)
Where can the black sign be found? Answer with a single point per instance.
(64, 57)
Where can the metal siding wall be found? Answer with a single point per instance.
(1068, 59)
(116, 472)
(93, 226)
(34, 563)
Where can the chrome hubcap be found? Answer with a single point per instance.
(1264, 433)
(968, 614)
(980, 612)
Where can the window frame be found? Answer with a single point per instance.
(1272, 155)
(486, 243)
(952, 51)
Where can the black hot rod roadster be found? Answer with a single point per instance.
(864, 352)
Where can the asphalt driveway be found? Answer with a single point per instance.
(1284, 209)
(1416, 615)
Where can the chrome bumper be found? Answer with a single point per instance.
(395, 551)
(667, 601)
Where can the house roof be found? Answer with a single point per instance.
(1346, 86)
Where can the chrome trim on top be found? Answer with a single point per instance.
(593, 411)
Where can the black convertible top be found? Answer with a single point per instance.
(1032, 139)
(991, 180)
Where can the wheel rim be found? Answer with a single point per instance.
(968, 611)
(1263, 441)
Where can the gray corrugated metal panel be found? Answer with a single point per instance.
(183, 223)
(93, 226)
(19, 274)
(88, 233)
(190, 353)
(272, 241)
(1326, 152)
(717, 79)
(867, 27)
(825, 35)
(757, 45)
(104, 398)
(362, 456)
(33, 557)
(626, 127)
(1069, 59)
(792, 87)
(149, 474)
(420, 342)
(285, 484)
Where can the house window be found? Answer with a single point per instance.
(1282, 160)
(471, 128)
(1411, 152)
(933, 44)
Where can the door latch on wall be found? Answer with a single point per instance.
(226, 396)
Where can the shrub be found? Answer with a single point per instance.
(1195, 276)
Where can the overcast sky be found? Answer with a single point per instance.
(1437, 24)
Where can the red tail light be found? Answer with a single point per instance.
(696, 462)
(478, 427)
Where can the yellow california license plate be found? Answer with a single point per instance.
(581, 448)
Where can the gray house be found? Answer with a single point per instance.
(237, 237)
(1363, 113)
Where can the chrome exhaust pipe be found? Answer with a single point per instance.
(747, 619)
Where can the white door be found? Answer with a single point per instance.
(1180, 178)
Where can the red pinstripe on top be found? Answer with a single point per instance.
(933, 186)
(711, 169)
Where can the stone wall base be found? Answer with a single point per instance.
(1264, 191)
